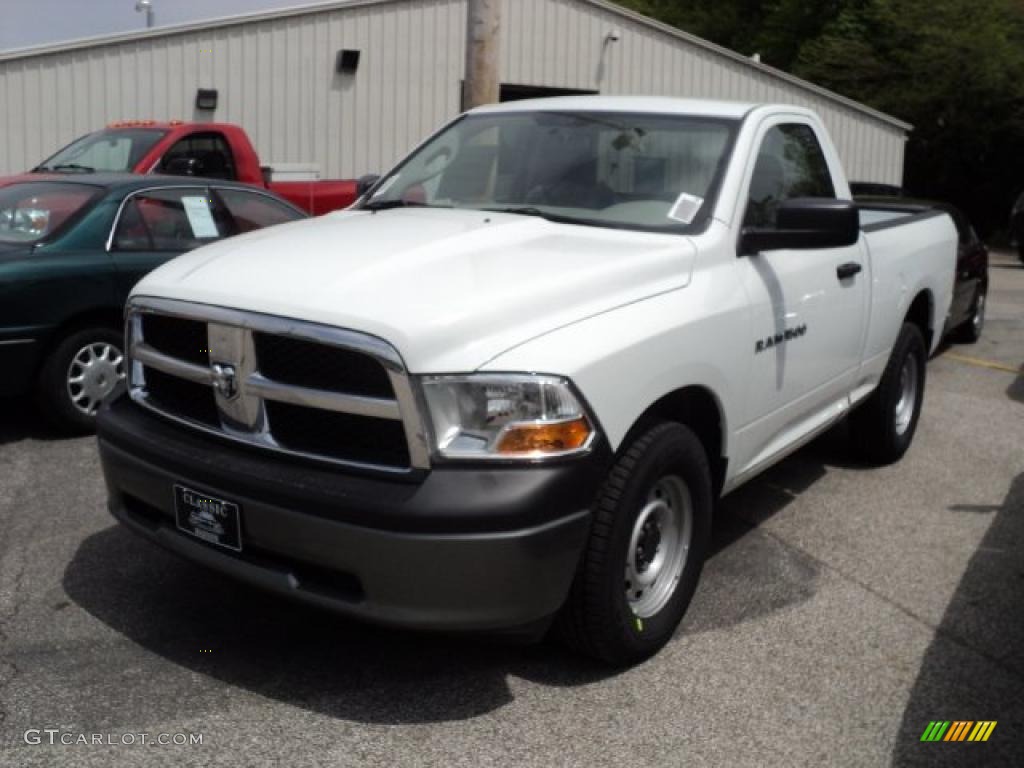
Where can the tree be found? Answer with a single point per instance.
(952, 68)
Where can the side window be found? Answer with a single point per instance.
(209, 152)
(252, 210)
(170, 220)
(789, 164)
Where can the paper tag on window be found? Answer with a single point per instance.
(685, 207)
(199, 216)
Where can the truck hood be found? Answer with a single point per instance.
(450, 289)
(31, 176)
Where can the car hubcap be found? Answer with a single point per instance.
(908, 395)
(95, 372)
(979, 313)
(658, 546)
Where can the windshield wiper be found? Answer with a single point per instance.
(529, 210)
(384, 205)
(69, 167)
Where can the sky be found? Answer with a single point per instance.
(25, 23)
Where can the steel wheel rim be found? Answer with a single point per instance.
(95, 372)
(659, 546)
(979, 313)
(908, 395)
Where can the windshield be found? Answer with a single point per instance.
(109, 150)
(634, 171)
(29, 212)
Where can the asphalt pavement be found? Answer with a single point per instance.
(843, 609)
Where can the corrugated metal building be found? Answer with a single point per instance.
(275, 74)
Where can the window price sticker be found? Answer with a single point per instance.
(199, 217)
(685, 208)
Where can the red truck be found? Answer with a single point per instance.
(208, 150)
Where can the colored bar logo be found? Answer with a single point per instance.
(958, 730)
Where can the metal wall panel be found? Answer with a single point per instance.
(275, 76)
(564, 43)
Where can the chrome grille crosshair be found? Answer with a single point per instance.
(241, 391)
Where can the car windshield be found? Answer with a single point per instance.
(31, 211)
(110, 150)
(615, 169)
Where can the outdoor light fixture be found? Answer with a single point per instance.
(206, 98)
(347, 62)
(145, 6)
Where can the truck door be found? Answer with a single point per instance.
(807, 307)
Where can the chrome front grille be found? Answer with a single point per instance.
(298, 388)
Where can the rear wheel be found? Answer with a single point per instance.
(970, 331)
(647, 545)
(883, 426)
(85, 369)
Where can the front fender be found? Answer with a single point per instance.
(625, 360)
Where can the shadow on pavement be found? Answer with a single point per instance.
(199, 620)
(749, 572)
(22, 421)
(1016, 389)
(225, 631)
(974, 668)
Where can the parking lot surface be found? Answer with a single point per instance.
(842, 610)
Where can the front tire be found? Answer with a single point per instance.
(648, 541)
(883, 426)
(85, 369)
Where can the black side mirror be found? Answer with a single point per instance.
(806, 222)
(365, 183)
(183, 166)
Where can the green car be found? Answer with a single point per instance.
(71, 248)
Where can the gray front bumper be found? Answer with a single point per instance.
(469, 581)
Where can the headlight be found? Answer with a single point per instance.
(505, 416)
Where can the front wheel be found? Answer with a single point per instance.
(83, 370)
(647, 544)
(884, 425)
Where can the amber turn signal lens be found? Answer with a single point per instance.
(556, 437)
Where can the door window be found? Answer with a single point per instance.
(170, 220)
(211, 153)
(789, 164)
(252, 210)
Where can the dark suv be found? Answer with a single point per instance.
(970, 289)
(1017, 225)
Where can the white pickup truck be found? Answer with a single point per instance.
(506, 388)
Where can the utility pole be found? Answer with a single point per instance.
(483, 35)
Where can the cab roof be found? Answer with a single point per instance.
(730, 110)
